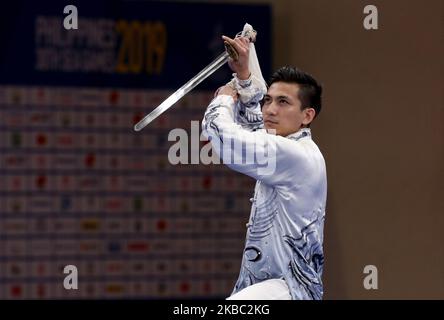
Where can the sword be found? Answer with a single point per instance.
(191, 84)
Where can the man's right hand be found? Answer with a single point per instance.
(240, 66)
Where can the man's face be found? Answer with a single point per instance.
(282, 109)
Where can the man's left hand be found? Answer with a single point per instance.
(227, 90)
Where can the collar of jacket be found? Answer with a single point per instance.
(300, 134)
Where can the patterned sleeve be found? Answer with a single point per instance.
(247, 109)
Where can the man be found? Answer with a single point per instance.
(283, 256)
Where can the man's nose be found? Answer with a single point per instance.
(271, 109)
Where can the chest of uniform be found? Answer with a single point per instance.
(262, 194)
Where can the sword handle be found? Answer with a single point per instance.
(231, 51)
(250, 34)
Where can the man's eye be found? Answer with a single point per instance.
(282, 101)
(266, 100)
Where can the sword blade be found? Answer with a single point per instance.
(179, 93)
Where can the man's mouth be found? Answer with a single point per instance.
(270, 122)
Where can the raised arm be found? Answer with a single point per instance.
(275, 160)
(250, 89)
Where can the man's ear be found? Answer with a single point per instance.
(309, 115)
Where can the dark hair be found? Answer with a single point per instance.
(310, 91)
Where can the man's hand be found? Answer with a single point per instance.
(242, 46)
(227, 90)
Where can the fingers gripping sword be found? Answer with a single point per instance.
(191, 84)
